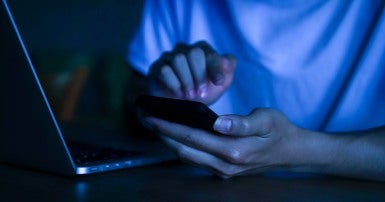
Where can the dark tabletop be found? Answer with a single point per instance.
(175, 181)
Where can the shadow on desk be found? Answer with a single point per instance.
(179, 182)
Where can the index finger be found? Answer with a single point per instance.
(223, 147)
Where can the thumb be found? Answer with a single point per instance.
(258, 123)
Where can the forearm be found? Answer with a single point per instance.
(358, 154)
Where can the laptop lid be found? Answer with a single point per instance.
(30, 135)
(26, 118)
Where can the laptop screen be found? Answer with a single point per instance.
(78, 50)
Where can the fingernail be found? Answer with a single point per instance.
(223, 125)
(202, 91)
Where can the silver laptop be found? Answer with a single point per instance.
(30, 136)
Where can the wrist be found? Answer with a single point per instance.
(312, 151)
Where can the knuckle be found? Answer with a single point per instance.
(188, 139)
(266, 119)
(244, 126)
(234, 156)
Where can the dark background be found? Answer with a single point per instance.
(78, 49)
(97, 26)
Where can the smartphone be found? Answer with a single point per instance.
(186, 112)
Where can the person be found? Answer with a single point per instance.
(299, 86)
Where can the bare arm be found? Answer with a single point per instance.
(265, 140)
(357, 154)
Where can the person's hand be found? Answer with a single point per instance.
(262, 140)
(193, 72)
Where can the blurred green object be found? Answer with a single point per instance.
(101, 96)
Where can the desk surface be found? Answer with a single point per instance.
(178, 182)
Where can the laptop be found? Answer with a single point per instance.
(30, 135)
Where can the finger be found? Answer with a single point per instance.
(258, 123)
(220, 68)
(170, 80)
(207, 49)
(196, 58)
(141, 117)
(165, 59)
(224, 147)
(182, 70)
(203, 159)
(212, 63)
(163, 79)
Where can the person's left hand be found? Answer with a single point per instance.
(263, 140)
(193, 72)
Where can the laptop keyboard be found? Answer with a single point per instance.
(83, 153)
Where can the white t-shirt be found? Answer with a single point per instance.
(322, 63)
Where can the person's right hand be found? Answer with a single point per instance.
(193, 72)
